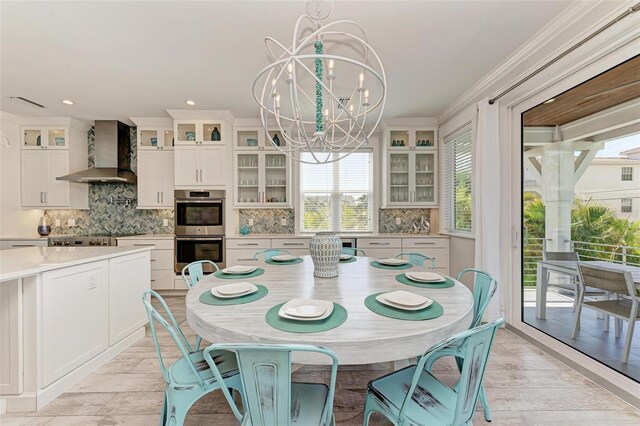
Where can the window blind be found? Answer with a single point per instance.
(457, 163)
(337, 196)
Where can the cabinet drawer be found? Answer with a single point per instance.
(242, 256)
(440, 255)
(381, 253)
(162, 280)
(291, 243)
(364, 243)
(408, 243)
(161, 259)
(159, 244)
(254, 243)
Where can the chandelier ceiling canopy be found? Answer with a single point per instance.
(324, 93)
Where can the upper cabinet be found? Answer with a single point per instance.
(410, 167)
(50, 148)
(251, 139)
(45, 137)
(199, 132)
(155, 179)
(155, 138)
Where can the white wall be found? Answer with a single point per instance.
(14, 221)
(462, 256)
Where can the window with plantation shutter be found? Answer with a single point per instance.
(457, 162)
(337, 196)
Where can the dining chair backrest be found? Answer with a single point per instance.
(620, 282)
(417, 259)
(265, 371)
(171, 325)
(560, 255)
(484, 287)
(353, 251)
(269, 253)
(196, 272)
(473, 346)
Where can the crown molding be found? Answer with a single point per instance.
(540, 42)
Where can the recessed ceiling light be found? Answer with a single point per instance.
(550, 100)
(190, 102)
(67, 102)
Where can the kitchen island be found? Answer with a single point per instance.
(65, 312)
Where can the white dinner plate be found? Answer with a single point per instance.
(235, 289)
(306, 309)
(425, 277)
(284, 258)
(392, 261)
(426, 302)
(239, 269)
(345, 256)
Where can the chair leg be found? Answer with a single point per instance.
(618, 323)
(627, 345)
(576, 324)
(575, 293)
(368, 410)
(163, 416)
(485, 404)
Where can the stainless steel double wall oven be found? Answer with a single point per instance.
(199, 227)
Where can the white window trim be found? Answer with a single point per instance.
(469, 121)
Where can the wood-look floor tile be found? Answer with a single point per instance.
(119, 383)
(556, 399)
(563, 418)
(210, 420)
(119, 365)
(134, 403)
(76, 404)
(9, 420)
(151, 365)
(104, 420)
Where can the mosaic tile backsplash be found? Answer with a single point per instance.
(387, 219)
(112, 207)
(268, 221)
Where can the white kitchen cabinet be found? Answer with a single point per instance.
(45, 137)
(155, 179)
(410, 167)
(437, 248)
(254, 138)
(199, 166)
(262, 179)
(22, 243)
(162, 260)
(198, 132)
(11, 336)
(39, 185)
(378, 248)
(74, 326)
(155, 138)
(126, 311)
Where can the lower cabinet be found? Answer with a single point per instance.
(11, 365)
(75, 321)
(162, 275)
(126, 311)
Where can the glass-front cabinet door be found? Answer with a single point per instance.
(424, 166)
(275, 178)
(248, 179)
(399, 174)
(45, 138)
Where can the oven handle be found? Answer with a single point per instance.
(216, 201)
(198, 239)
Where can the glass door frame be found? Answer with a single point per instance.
(511, 109)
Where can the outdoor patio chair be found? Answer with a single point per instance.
(619, 283)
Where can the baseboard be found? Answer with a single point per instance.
(57, 388)
(3, 406)
(610, 386)
(25, 402)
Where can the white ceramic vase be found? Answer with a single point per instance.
(325, 248)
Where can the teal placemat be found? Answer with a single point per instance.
(210, 299)
(337, 317)
(288, 262)
(350, 260)
(381, 266)
(224, 276)
(401, 278)
(433, 311)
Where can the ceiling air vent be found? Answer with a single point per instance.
(29, 101)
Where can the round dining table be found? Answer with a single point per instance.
(364, 338)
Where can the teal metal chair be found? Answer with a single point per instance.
(417, 259)
(353, 251)
(189, 378)
(271, 398)
(413, 396)
(269, 253)
(195, 271)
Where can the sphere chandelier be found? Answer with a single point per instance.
(325, 93)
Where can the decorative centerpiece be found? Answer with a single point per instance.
(325, 248)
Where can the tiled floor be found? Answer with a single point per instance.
(592, 339)
(524, 386)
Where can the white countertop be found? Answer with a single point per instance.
(376, 235)
(27, 261)
(148, 237)
(23, 238)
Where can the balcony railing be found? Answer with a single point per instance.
(533, 248)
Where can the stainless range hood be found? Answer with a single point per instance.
(112, 156)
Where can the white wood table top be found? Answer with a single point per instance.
(365, 337)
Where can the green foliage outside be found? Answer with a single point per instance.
(354, 212)
(462, 202)
(600, 232)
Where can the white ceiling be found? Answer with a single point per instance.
(123, 59)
